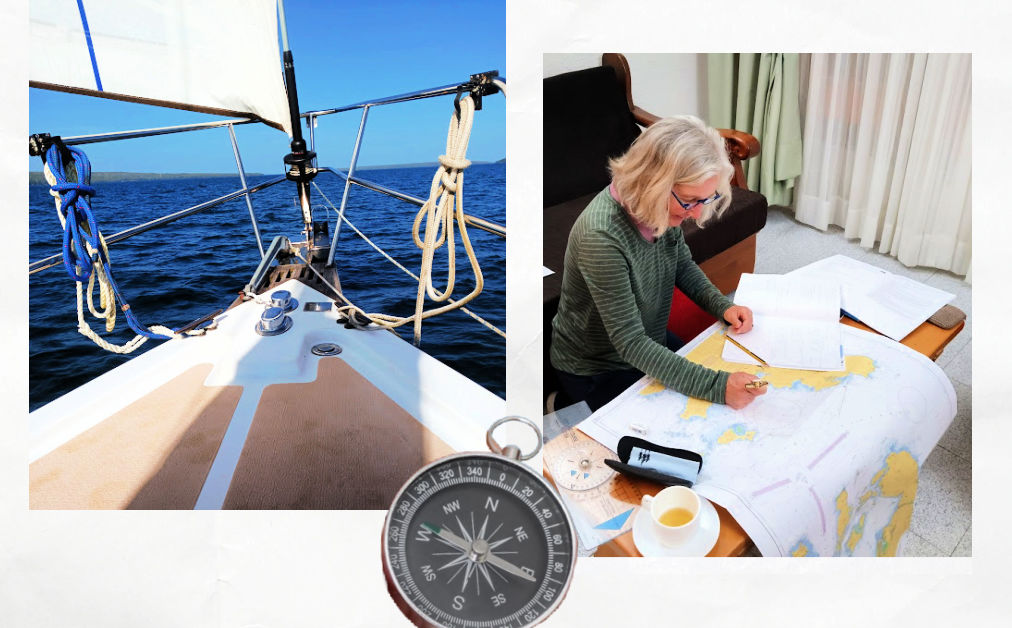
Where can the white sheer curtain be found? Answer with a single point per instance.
(887, 154)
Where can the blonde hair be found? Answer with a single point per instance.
(681, 150)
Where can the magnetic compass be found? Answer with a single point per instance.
(479, 540)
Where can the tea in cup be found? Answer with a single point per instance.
(674, 514)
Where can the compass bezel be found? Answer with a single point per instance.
(404, 601)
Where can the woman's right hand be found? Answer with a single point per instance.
(736, 395)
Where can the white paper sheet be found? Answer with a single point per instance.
(890, 304)
(795, 322)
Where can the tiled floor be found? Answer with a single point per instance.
(941, 521)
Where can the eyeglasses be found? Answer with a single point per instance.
(703, 201)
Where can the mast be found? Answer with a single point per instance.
(300, 159)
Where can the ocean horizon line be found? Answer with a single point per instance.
(37, 177)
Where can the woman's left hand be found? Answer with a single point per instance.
(740, 318)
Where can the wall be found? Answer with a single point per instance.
(664, 84)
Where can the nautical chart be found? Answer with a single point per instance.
(824, 464)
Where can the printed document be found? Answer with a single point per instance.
(796, 322)
(890, 304)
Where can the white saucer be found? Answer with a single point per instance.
(699, 545)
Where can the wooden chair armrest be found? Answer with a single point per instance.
(620, 64)
(643, 117)
(739, 143)
(740, 146)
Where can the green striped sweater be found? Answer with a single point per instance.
(616, 294)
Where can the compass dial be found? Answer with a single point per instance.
(476, 540)
(582, 468)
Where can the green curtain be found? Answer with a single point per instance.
(758, 94)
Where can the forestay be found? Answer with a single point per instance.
(217, 57)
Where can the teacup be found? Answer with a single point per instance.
(674, 514)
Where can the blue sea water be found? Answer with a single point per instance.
(180, 272)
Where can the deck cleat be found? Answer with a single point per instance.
(283, 299)
(273, 322)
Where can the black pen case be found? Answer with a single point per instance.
(688, 462)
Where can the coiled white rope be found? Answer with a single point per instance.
(443, 209)
(393, 261)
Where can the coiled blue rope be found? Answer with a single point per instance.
(79, 227)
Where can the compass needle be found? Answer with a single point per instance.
(510, 568)
(449, 544)
(498, 572)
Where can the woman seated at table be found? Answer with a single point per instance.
(626, 253)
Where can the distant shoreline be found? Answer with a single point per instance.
(37, 178)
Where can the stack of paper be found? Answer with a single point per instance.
(890, 304)
(796, 322)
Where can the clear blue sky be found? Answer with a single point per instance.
(343, 55)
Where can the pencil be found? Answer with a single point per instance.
(739, 345)
(759, 383)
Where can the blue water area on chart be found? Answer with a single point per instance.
(177, 273)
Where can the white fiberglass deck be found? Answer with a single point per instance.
(383, 406)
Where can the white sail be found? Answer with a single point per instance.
(214, 56)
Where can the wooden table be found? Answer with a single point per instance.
(927, 339)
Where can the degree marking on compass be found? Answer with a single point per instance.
(515, 483)
(553, 525)
(553, 580)
(539, 500)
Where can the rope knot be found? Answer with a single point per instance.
(85, 255)
(74, 188)
(454, 163)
